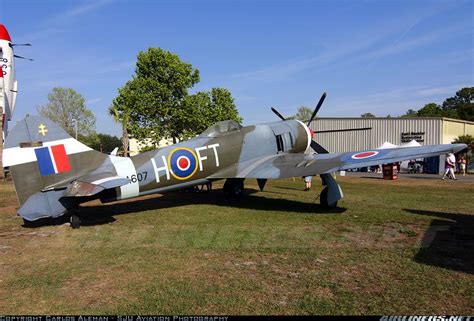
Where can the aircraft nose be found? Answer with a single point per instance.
(4, 33)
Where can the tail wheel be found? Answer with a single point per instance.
(75, 221)
(323, 197)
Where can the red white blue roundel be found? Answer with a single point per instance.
(364, 155)
(182, 163)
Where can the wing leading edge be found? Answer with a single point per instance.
(294, 165)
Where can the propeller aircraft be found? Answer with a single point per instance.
(53, 173)
(10, 85)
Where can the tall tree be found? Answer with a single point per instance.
(120, 112)
(161, 83)
(367, 115)
(303, 113)
(461, 105)
(410, 113)
(203, 109)
(106, 143)
(65, 106)
(430, 110)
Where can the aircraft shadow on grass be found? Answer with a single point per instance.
(104, 214)
(448, 242)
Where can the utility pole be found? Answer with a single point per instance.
(75, 125)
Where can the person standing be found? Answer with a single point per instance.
(462, 165)
(450, 163)
(307, 181)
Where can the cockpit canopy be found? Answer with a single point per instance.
(222, 128)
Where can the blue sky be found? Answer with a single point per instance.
(379, 56)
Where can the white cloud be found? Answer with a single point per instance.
(76, 11)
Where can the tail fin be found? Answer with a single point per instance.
(42, 157)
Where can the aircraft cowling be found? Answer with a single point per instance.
(294, 135)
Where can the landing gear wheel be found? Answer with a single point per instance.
(234, 187)
(75, 221)
(323, 198)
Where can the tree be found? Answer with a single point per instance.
(430, 110)
(469, 141)
(161, 83)
(303, 113)
(106, 143)
(155, 104)
(367, 115)
(461, 105)
(65, 106)
(203, 109)
(410, 113)
(120, 112)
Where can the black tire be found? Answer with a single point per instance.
(234, 187)
(323, 199)
(75, 221)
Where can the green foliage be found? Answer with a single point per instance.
(367, 115)
(90, 140)
(147, 148)
(156, 92)
(303, 113)
(410, 113)
(202, 109)
(469, 141)
(105, 143)
(460, 106)
(64, 105)
(430, 110)
(156, 103)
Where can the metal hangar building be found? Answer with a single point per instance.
(426, 131)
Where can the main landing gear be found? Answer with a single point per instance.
(331, 193)
(234, 187)
(324, 201)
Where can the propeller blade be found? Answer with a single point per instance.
(318, 148)
(16, 56)
(318, 106)
(277, 113)
(261, 183)
(21, 44)
(341, 130)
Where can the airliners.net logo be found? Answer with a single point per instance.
(426, 318)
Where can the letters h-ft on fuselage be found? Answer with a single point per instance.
(194, 161)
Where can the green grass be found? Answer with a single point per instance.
(393, 247)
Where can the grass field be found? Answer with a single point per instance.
(393, 247)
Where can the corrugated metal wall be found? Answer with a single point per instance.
(383, 129)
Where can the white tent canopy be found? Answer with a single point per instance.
(387, 145)
(412, 143)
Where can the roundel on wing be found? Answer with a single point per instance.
(182, 163)
(364, 155)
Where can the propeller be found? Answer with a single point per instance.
(340, 130)
(21, 44)
(20, 57)
(277, 113)
(318, 106)
(315, 146)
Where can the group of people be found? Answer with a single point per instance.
(450, 165)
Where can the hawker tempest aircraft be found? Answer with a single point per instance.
(54, 173)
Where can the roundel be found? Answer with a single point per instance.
(364, 155)
(182, 163)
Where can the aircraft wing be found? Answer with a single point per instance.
(92, 184)
(294, 165)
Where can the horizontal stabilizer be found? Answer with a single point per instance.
(90, 185)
